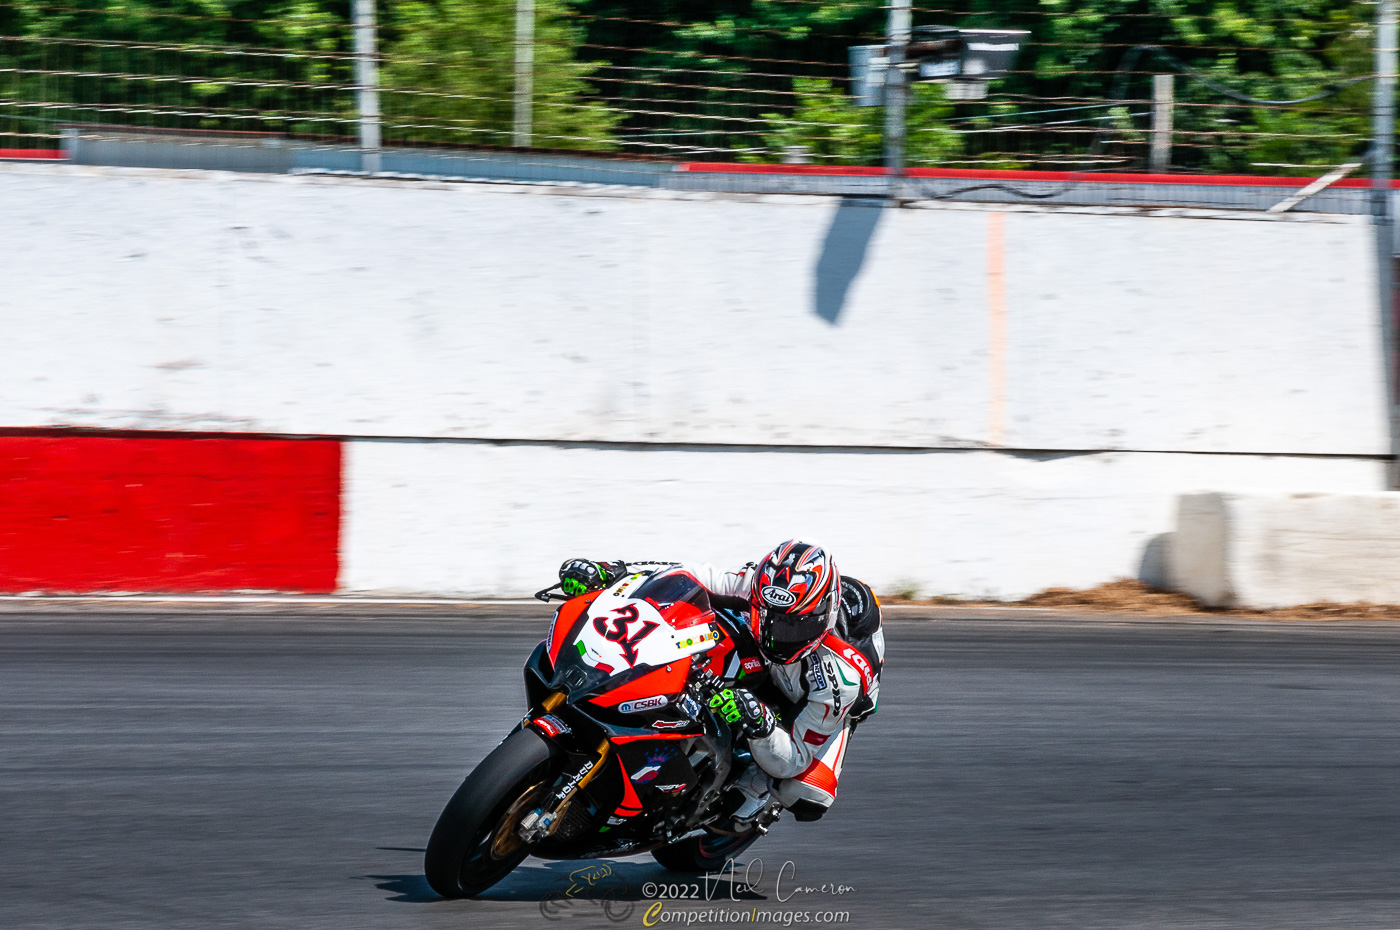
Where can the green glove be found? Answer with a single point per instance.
(579, 576)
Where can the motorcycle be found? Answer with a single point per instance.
(627, 746)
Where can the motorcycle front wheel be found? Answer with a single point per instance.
(474, 844)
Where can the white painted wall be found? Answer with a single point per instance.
(497, 519)
(1279, 550)
(674, 325)
(200, 300)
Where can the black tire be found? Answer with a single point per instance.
(460, 859)
(706, 853)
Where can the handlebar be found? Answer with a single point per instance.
(545, 596)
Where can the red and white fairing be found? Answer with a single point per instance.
(626, 626)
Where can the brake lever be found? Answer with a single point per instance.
(547, 597)
(708, 683)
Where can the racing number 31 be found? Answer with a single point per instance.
(614, 628)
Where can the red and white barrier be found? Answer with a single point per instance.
(964, 399)
(168, 512)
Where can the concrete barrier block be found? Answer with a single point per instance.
(1279, 550)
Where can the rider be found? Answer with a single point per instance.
(820, 637)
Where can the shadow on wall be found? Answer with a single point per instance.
(843, 253)
(1155, 568)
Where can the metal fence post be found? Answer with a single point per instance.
(1383, 212)
(367, 85)
(896, 92)
(1162, 102)
(524, 72)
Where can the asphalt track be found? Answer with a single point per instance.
(283, 768)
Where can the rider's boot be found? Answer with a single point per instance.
(755, 788)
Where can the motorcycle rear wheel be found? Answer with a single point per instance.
(706, 853)
(471, 846)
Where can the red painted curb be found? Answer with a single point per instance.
(973, 174)
(33, 154)
(97, 513)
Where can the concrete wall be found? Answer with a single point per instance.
(1278, 550)
(481, 518)
(960, 400)
(292, 305)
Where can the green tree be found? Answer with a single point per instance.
(827, 127)
(287, 66)
(450, 76)
(729, 67)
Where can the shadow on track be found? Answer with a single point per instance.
(405, 889)
(565, 883)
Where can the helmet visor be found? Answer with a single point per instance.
(782, 637)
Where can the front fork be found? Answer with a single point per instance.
(544, 820)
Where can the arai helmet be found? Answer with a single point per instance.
(796, 593)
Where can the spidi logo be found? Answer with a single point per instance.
(779, 597)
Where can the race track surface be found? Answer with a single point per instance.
(283, 769)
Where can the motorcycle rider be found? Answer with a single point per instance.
(819, 636)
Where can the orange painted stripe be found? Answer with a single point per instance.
(996, 329)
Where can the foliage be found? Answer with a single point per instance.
(1268, 48)
(451, 76)
(702, 78)
(285, 66)
(830, 129)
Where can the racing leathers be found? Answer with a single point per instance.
(824, 694)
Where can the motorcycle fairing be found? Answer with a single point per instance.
(634, 642)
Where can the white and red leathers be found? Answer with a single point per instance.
(805, 759)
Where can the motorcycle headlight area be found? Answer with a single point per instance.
(576, 679)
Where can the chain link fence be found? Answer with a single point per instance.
(698, 95)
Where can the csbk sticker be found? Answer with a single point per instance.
(642, 704)
(778, 597)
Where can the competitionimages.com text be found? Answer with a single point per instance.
(659, 914)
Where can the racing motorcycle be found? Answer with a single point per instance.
(629, 744)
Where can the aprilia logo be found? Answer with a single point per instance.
(752, 665)
(778, 597)
(641, 704)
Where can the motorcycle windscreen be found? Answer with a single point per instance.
(574, 676)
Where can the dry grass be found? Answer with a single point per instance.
(1116, 596)
(1134, 597)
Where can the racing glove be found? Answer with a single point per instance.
(579, 576)
(739, 707)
